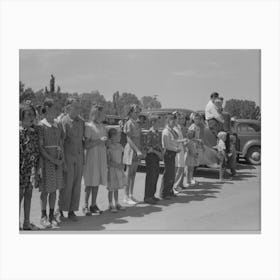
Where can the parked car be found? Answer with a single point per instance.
(248, 134)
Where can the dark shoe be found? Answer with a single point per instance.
(30, 226)
(72, 216)
(155, 198)
(149, 201)
(94, 210)
(86, 211)
(172, 194)
(164, 197)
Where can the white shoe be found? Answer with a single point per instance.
(187, 185)
(193, 182)
(129, 201)
(45, 223)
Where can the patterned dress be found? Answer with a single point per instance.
(116, 177)
(29, 154)
(51, 140)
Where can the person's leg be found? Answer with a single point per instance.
(21, 195)
(66, 192)
(191, 171)
(44, 199)
(87, 195)
(110, 198)
(27, 205)
(76, 191)
(94, 191)
(156, 169)
(134, 171)
(179, 176)
(213, 126)
(162, 192)
(129, 177)
(172, 174)
(52, 199)
(116, 197)
(149, 176)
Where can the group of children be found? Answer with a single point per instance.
(59, 149)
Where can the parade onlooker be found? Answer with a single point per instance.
(74, 128)
(213, 116)
(29, 161)
(191, 160)
(51, 148)
(132, 152)
(116, 176)
(95, 170)
(171, 148)
(180, 157)
(153, 157)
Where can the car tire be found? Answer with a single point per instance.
(254, 155)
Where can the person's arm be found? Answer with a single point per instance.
(43, 151)
(215, 113)
(128, 131)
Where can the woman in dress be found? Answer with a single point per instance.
(95, 170)
(132, 152)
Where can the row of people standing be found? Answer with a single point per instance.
(52, 158)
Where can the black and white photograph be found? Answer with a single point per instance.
(140, 140)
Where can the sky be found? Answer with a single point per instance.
(180, 78)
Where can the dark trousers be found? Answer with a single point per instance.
(215, 126)
(152, 173)
(168, 177)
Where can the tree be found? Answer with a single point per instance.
(242, 109)
(125, 100)
(150, 102)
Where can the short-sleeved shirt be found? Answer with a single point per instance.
(133, 131)
(169, 139)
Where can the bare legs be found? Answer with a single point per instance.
(93, 191)
(26, 194)
(131, 174)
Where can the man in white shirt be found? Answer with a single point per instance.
(213, 116)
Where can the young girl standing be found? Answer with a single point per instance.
(29, 161)
(95, 169)
(51, 148)
(116, 176)
(132, 152)
(191, 157)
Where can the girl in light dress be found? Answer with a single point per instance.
(95, 169)
(51, 148)
(116, 176)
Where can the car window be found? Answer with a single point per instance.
(248, 127)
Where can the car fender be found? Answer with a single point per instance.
(249, 144)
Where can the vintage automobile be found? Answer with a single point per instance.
(248, 135)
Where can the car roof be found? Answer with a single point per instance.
(166, 110)
(247, 121)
